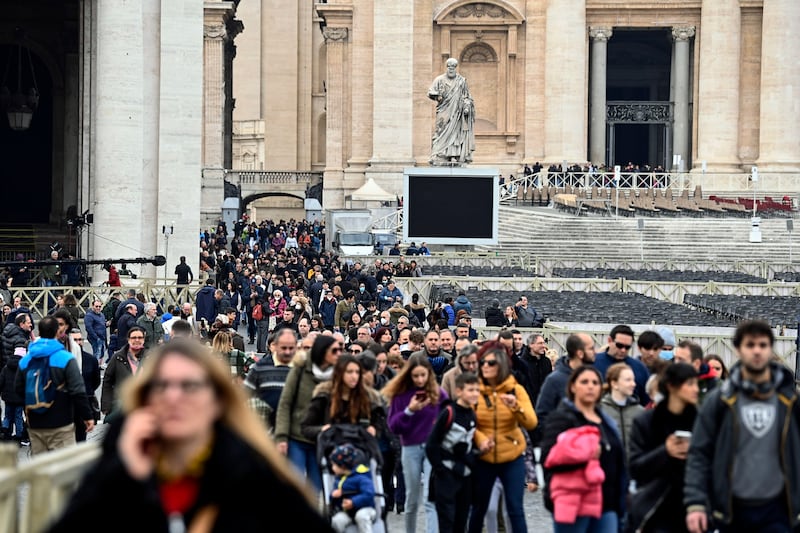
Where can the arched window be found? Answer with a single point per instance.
(478, 53)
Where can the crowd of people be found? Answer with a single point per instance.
(643, 433)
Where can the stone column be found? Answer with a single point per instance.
(597, 119)
(565, 81)
(779, 149)
(180, 131)
(117, 171)
(681, 129)
(718, 101)
(216, 18)
(393, 90)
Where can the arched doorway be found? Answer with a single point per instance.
(273, 206)
(26, 171)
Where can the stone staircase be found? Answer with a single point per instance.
(547, 233)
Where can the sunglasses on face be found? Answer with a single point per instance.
(489, 362)
(622, 346)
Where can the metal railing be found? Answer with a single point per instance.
(391, 222)
(50, 478)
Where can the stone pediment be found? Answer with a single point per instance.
(467, 12)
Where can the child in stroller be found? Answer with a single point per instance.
(354, 495)
(350, 462)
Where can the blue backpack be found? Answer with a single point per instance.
(40, 391)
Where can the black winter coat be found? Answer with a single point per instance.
(494, 317)
(13, 337)
(658, 502)
(8, 391)
(234, 474)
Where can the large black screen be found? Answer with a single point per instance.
(453, 207)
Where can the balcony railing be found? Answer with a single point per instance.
(274, 177)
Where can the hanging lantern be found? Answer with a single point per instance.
(19, 106)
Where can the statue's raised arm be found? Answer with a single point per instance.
(454, 135)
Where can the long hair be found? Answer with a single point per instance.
(402, 382)
(358, 398)
(236, 415)
(221, 344)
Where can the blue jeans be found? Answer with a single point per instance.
(416, 466)
(607, 523)
(512, 476)
(304, 457)
(98, 348)
(13, 415)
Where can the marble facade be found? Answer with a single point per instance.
(344, 92)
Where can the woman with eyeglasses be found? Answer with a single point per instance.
(182, 455)
(415, 398)
(595, 513)
(503, 412)
(294, 402)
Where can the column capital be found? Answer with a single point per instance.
(335, 35)
(601, 33)
(214, 30)
(682, 33)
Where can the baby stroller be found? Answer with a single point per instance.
(367, 447)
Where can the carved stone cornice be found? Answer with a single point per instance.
(683, 33)
(601, 33)
(335, 35)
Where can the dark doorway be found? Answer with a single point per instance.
(639, 63)
(26, 157)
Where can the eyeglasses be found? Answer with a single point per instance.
(622, 346)
(489, 362)
(186, 386)
(474, 363)
(336, 350)
(77, 339)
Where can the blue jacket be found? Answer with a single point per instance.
(67, 379)
(462, 302)
(554, 389)
(206, 304)
(327, 309)
(387, 297)
(640, 373)
(356, 486)
(451, 314)
(95, 326)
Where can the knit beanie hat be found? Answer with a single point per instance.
(344, 455)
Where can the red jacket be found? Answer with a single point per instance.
(576, 492)
(113, 277)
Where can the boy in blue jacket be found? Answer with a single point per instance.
(353, 498)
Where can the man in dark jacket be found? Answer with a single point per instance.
(53, 428)
(131, 300)
(126, 321)
(527, 316)
(90, 371)
(620, 346)
(16, 335)
(205, 303)
(539, 366)
(440, 360)
(95, 323)
(743, 464)
(580, 349)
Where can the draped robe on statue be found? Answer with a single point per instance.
(454, 138)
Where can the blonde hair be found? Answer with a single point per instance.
(222, 343)
(236, 416)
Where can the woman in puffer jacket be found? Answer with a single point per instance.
(503, 412)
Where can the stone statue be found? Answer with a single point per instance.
(454, 137)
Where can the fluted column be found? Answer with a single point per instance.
(680, 136)
(779, 139)
(213, 92)
(597, 120)
(718, 100)
(565, 92)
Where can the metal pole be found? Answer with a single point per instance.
(790, 248)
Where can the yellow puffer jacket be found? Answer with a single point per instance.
(498, 421)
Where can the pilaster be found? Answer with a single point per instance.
(597, 106)
(718, 102)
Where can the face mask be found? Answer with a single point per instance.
(384, 321)
(666, 354)
(403, 347)
(361, 289)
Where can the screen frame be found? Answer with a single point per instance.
(453, 172)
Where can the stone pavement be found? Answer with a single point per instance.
(539, 520)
